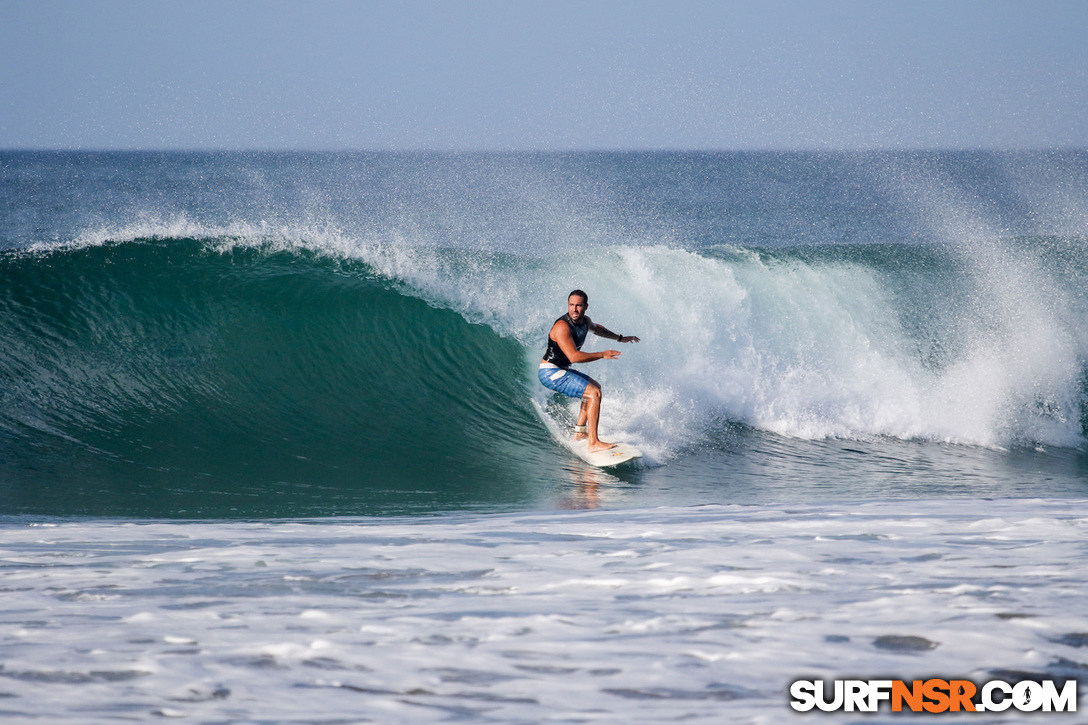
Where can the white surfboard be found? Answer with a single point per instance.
(622, 453)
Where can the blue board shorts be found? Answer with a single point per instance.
(568, 382)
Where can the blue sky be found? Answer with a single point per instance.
(554, 75)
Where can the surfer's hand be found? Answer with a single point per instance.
(629, 338)
(611, 354)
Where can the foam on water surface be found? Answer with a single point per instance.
(653, 615)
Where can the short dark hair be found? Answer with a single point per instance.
(580, 293)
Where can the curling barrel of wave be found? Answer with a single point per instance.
(159, 376)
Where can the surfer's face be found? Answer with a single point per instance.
(576, 307)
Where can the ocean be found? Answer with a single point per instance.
(273, 450)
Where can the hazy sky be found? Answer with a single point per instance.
(485, 74)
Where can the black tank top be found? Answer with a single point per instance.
(554, 355)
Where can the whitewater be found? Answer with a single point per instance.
(272, 448)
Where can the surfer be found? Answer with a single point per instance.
(565, 341)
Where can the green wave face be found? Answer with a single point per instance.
(158, 377)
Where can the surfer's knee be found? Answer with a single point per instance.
(593, 392)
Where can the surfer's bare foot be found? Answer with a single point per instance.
(580, 436)
(600, 446)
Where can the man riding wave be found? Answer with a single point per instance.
(565, 341)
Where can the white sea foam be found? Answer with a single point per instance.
(817, 350)
(701, 614)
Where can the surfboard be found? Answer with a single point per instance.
(622, 453)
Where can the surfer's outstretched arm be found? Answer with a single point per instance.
(602, 331)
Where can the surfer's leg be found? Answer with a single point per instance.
(580, 430)
(591, 405)
(575, 384)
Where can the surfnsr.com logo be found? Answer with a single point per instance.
(934, 695)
